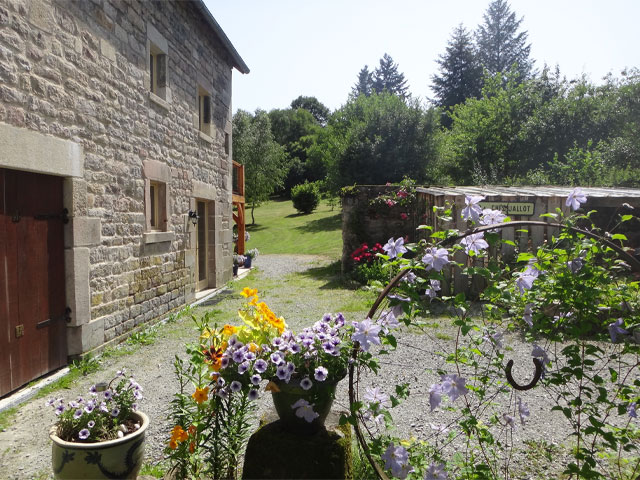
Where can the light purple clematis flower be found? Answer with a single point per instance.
(525, 279)
(436, 472)
(474, 243)
(539, 352)
(394, 248)
(575, 198)
(454, 386)
(509, 420)
(472, 210)
(366, 334)
(388, 320)
(631, 410)
(495, 338)
(305, 410)
(616, 330)
(396, 459)
(433, 289)
(528, 314)
(575, 265)
(435, 396)
(436, 258)
(492, 217)
(375, 396)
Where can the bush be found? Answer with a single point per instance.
(306, 197)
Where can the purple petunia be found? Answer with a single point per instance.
(78, 413)
(306, 383)
(243, 367)
(59, 410)
(282, 373)
(84, 434)
(256, 379)
(235, 386)
(320, 374)
(115, 412)
(238, 356)
(276, 358)
(260, 366)
(253, 394)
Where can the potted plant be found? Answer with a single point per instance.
(102, 435)
(238, 261)
(249, 255)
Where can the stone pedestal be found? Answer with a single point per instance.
(274, 453)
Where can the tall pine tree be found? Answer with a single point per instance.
(499, 43)
(387, 77)
(364, 83)
(460, 74)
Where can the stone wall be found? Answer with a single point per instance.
(364, 222)
(78, 72)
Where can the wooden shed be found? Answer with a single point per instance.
(528, 203)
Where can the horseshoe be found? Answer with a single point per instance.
(536, 376)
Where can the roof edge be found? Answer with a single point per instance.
(238, 62)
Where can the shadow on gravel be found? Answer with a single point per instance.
(216, 299)
(331, 274)
(325, 224)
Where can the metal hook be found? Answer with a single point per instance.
(536, 376)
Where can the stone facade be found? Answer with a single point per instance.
(76, 102)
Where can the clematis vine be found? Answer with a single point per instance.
(395, 248)
(527, 317)
(366, 333)
(616, 330)
(396, 459)
(472, 210)
(435, 258)
(474, 243)
(575, 198)
(436, 472)
(523, 410)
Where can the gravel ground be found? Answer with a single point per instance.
(25, 446)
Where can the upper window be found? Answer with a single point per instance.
(157, 50)
(204, 111)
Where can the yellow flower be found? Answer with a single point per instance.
(253, 347)
(254, 301)
(201, 394)
(249, 292)
(229, 330)
(206, 333)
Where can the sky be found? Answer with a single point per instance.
(317, 47)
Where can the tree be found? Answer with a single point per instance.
(378, 139)
(263, 158)
(387, 78)
(460, 74)
(311, 104)
(364, 84)
(499, 43)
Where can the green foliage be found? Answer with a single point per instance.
(369, 272)
(143, 337)
(263, 158)
(500, 44)
(378, 139)
(305, 197)
(319, 111)
(387, 78)
(85, 365)
(460, 75)
(364, 83)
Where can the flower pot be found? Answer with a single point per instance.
(320, 396)
(235, 270)
(119, 458)
(247, 262)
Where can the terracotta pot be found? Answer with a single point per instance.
(119, 458)
(320, 395)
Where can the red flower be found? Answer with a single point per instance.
(402, 194)
(404, 216)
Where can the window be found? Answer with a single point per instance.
(157, 49)
(157, 211)
(157, 176)
(204, 111)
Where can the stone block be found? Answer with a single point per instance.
(77, 284)
(85, 337)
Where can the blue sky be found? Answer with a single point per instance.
(317, 48)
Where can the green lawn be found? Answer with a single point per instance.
(279, 228)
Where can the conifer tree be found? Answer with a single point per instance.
(387, 77)
(364, 83)
(499, 42)
(460, 74)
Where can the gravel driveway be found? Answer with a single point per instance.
(25, 446)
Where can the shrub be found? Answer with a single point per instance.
(306, 197)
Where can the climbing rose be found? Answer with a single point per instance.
(575, 198)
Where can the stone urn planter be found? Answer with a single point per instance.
(119, 458)
(320, 397)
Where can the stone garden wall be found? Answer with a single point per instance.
(77, 73)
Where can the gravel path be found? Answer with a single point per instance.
(25, 446)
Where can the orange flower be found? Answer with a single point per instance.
(229, 330)
(177, 434)
(249, 292)
(192, 429)
(173, 444)
(213, 356)
(201, 394)
(192, 447)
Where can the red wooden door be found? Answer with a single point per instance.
(32, 298)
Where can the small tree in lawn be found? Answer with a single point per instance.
(263, 158)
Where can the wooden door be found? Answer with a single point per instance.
(202, 281)
(32, 283)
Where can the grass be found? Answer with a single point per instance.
(279, 228)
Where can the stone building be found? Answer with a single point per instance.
(115, 171)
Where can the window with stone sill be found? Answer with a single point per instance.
(156, 209)
(204, 111)
(157, 71)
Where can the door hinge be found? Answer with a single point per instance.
(66, 316)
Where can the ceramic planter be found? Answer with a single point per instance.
(119, 458)
(247, 262)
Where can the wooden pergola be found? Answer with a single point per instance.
(237, 198)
